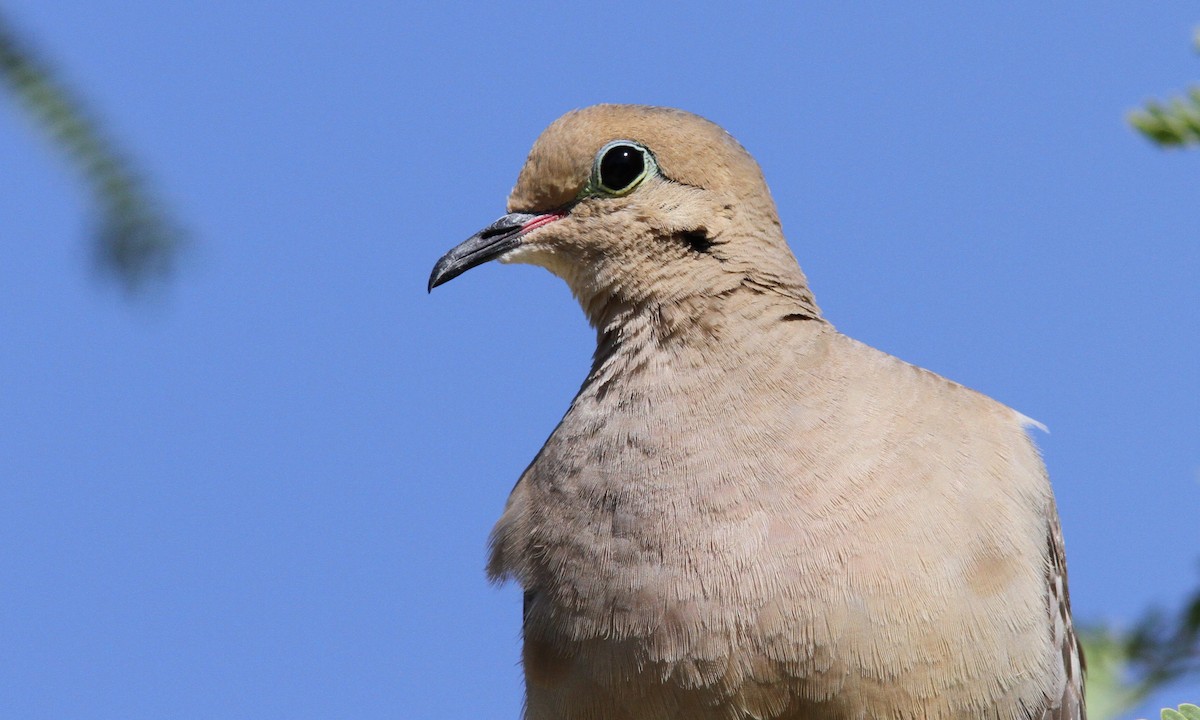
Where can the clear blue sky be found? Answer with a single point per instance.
(268, 495)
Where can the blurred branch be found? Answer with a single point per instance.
(1109, 692)
(1175, 123)
(135, 240)
(1125, 668)
(1164, 649)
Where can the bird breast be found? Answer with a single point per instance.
(724, 537)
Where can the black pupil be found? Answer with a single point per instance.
(620, 166)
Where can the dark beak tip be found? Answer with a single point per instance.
(487, 244)
(444, 271)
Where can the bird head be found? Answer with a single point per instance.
(636, 206)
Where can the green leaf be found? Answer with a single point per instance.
(1186, 711)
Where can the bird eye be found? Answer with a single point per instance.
(620, 166)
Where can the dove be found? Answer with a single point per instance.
(743, 512)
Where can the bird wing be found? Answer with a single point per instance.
(1071, 706)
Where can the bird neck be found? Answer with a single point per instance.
(708, 327)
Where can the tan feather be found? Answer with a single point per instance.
(744, 513)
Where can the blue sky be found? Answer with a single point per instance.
(267, 494)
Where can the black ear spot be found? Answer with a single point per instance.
(796, 317)
(697, 240)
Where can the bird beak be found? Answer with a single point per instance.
(487, 244)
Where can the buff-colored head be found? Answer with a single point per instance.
(641, 206)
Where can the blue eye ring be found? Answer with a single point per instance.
(620, 166)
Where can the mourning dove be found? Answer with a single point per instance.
(744, 513)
